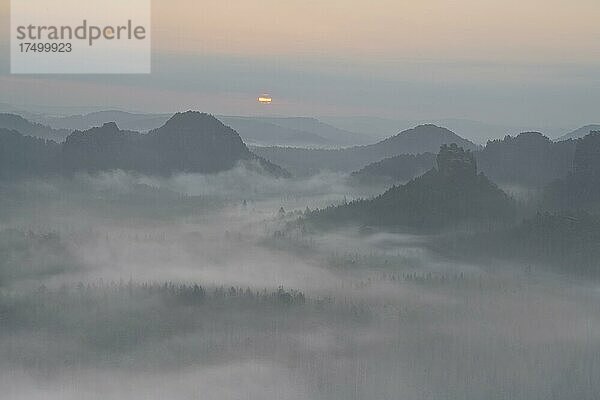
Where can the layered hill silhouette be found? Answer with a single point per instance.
(401, 168)
(187, 142)
(421, 139)
(334, 135)
(529, 159)
(25, 127)
(451, 194)
(125, 120)
(263, 131)
(580, 132)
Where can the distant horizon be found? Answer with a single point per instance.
(514, 63)
(553, 132)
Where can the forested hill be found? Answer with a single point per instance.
(580, 189)
(529, 159)
(188, 142)
(451, 194)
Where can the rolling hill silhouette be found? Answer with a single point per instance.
(187, 142)
(421, 139)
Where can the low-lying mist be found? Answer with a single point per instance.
(119, 285)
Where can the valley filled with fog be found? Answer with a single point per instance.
(124, 285)
(299, 200)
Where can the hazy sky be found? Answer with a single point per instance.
(511, 61)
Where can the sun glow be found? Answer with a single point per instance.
(265, 99)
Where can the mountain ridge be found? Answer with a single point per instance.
(580, 132)
(18, 123)
(528, 159)
(307, 161)
(188, 142)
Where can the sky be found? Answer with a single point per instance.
(527, 62)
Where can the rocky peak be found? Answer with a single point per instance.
(454, 161)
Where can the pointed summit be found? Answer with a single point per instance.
(198, 142)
